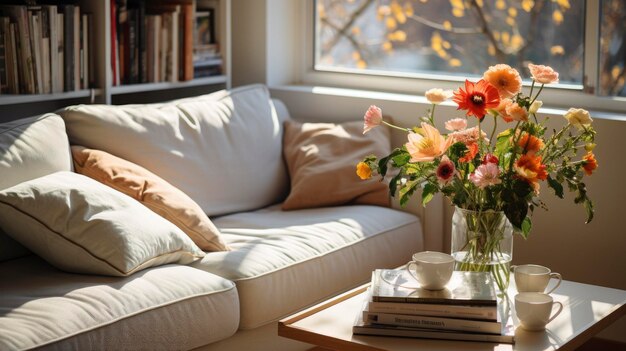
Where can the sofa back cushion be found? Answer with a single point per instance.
(221, 149)
(30, 148)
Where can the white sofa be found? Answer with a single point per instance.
(224, 150)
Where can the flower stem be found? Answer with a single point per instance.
(432, 115)
(513, 147)
(531, 88)
(539, 92)
(495, 126)
(393, 126)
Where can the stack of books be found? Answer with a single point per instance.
(467, 309)
(45, 48)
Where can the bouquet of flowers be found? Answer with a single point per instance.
(485, 172)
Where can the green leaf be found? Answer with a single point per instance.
(382, 163)
(558, 188)
(400, 159)
(521, 188)
(428, 192)
(456, 151)
(516, 213)
(503, 142)
(407, 190)
(527, 225)
(589, 209)
(393, 184)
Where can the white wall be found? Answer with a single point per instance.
(590, 253)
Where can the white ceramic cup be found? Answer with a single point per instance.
(534, 278)
(431, 269)
(533, 310)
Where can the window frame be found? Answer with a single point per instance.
(557, 96)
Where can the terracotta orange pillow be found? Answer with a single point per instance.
(321, 159)
(153, 192)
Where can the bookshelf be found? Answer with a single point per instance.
(103, 88)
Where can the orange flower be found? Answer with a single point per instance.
(504, 78)
(428, 144)
(477, 98)
(530, 168)
(501, 109)
(516, 112)
(530, 143)
(590, 163)
(363, 171)
(472, 150)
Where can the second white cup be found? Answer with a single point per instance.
(533, 310)
(431, 269)
(534, 278)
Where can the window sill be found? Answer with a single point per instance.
(379, 96)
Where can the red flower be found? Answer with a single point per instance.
(490, 158)
(477, 98)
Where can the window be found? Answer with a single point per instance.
(454, 39)
(613, 48)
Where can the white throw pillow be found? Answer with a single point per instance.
(30, 148)
(224, 150)
(80, 225)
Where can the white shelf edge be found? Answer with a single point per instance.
(138, 88)
(29, 98)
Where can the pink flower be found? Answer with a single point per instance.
(516, 112)
(373, 118)
(428, 144)
(456, 124)
(467, 136)
(543, 74)
(437, 96)
(445, 170)
(486, 175)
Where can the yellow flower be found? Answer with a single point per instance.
(363, 171)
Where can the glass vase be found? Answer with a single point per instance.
(482, 241)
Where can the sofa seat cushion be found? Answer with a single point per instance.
(285, 260)
(167, 307)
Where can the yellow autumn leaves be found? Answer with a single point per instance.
(441, 47)
(507, 39)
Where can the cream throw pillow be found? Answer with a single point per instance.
(152, 191)
(322, 158)
(82, 226)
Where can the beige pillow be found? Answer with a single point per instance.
(82, 226)
(321, 159)
(155, 193)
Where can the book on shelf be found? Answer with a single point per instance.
(464, 288)
(3, 62)
(46, 47)
(68, 47)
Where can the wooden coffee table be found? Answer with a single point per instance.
(587, 310)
